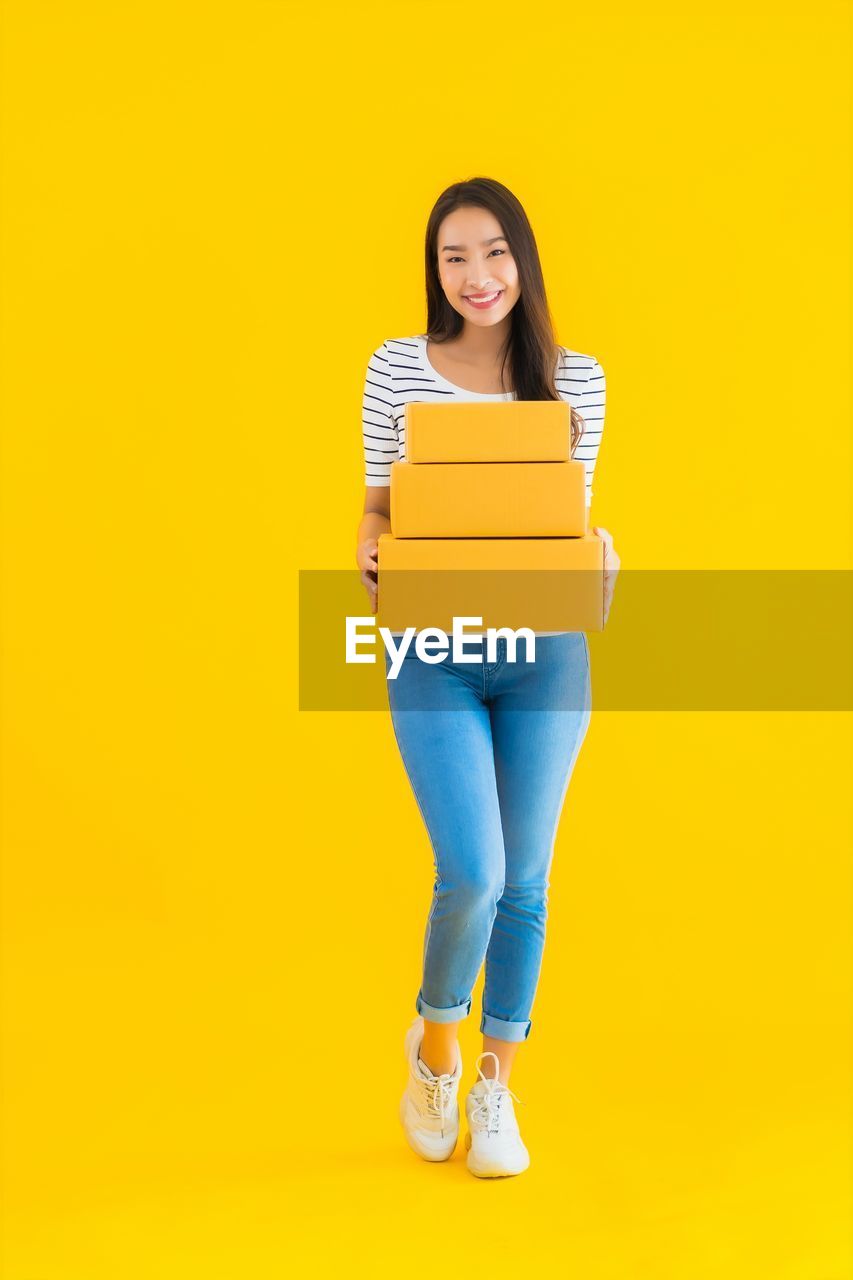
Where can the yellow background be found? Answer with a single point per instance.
(213, 905)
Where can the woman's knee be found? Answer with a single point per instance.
(528, 898)
(473, 887)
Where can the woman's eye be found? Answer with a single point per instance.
(450, 261)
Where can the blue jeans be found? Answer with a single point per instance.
(489, 749)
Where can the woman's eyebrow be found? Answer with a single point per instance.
(462, 246)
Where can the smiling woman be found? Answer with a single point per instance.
(488, 742)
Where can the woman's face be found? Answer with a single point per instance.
(474, 260)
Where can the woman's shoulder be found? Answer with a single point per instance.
(567, 354)
(400, 353)
(410, 340)
(406, 346)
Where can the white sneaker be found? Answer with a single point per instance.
(495, 1148)
(429, 1107)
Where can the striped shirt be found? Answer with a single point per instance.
(399, 373)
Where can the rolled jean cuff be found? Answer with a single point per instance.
(454, 1014)
(499, 1029)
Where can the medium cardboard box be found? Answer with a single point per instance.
(488, 500)
(482, 431)
(546, 584)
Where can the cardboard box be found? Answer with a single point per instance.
(488, 500)
(546, 584)
(488, 431)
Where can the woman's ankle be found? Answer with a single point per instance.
(439, 1063)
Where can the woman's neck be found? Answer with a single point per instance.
(482, 345)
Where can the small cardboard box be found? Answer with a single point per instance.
(488, 431)
(488, 500)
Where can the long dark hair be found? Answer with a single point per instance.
(531, 353)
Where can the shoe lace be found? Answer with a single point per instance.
(487, 1110)
(438, 1093)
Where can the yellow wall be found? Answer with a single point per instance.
(213, 904)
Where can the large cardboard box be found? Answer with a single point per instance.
(488, 500)
(488, 431)
(547, 584)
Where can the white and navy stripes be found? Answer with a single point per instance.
(399, 373)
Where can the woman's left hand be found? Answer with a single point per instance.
(611, 566)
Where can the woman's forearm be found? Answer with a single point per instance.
(373, 523)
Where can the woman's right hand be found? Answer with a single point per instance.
(367, 559)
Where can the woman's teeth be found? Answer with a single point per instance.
(489, 297)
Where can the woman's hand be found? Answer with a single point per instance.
(367, 559)
(611, 567)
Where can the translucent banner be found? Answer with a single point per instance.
(674, 640)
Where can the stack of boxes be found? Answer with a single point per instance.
(490, 489)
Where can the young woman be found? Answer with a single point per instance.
(488, 747)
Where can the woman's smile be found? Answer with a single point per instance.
(483, 301)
